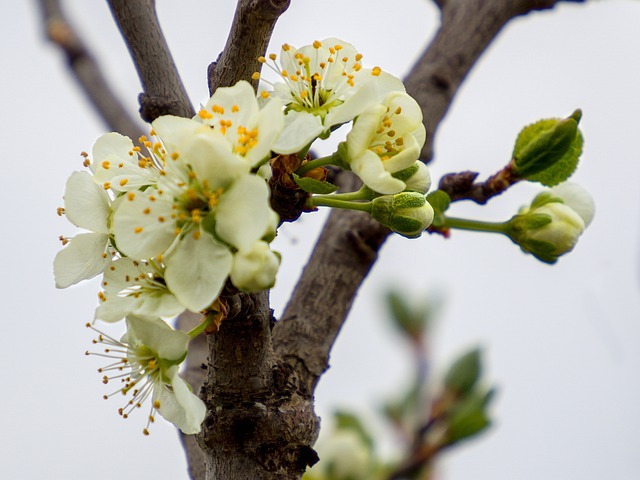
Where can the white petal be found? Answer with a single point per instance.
(142, 224)
(168, 343)
(179, 405)
(242, 216)
(85, 203)
(300, 129)
(370, 169)
(213, 161)
(174, 131)
(269, 122)
(111, 144)
(196, 270)
(576, 197)
(83, 258)
(364, 130)
(114, 308)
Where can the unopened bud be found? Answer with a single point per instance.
(406, 213)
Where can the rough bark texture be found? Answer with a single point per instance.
(262, 374)
(250, 34)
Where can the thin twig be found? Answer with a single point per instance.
(86, 70)
(349, 242)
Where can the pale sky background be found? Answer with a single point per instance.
(562, 342)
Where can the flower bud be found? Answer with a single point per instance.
(255, 269)
(406, 213)
(550, 227)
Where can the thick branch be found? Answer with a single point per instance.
(340, 261)
(163, 91)
(249, 37)
(86, 70)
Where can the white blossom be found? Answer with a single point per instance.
(323, 86)
(145, 363)
(386, 138)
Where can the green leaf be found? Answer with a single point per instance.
(469, 417)
(311, 185)
(548, 151)
(464, 373)
(408, 319)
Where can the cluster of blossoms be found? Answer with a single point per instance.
(167, 228)
(171, 221)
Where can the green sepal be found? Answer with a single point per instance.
(548, 151)
(532, 221)
(407, 173)
(311, 185)
(440, 202)
(348, 421)
(341, 156)
(464, 373)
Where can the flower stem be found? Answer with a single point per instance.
(202, 326)
(475, 225)
(363, 194)
(330, 201)
(318, 162)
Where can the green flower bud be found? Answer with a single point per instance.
(548, 150)
(406, 213)
(551, 226)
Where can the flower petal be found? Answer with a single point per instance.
(85, 203)
(179, 405)
(142, 224)
(84, 258)
(155, 334)
(300, 129)
(196, 270)
(370, 169)
(243, 216)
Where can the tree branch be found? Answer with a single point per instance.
(349, 242)
(163, 91)
(86, 70)
(467, 28)
(249, 37)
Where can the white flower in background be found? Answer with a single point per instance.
(386, 138)
(206, 203)
(551, 226)
(146, 364)
(118, 165)
(135, 287)
(343, 456)
(234, 113)
(324, 86)
(255, 269)
(87, 206)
